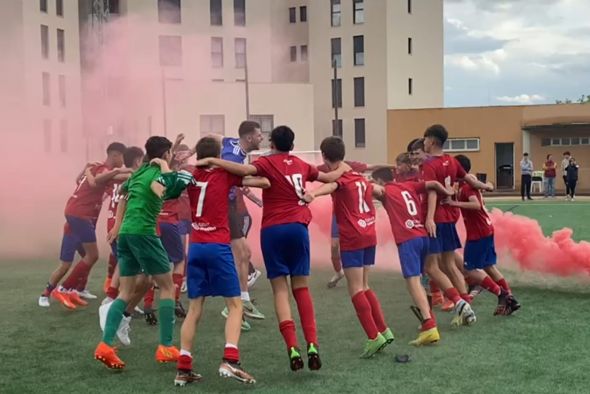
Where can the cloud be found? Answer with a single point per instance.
(521, 99)
(488, 63)
(460, 39)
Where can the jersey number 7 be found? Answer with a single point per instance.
(201, 201)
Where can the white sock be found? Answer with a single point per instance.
(245, 296)
(185, 353)
(231, 345)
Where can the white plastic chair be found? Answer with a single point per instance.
(537, 180)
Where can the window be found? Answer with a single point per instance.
(46, 88)
(61, 87)
(266, 123)
(113, 6)
(47, 135)
(336, 52)
(337, 128)
(169, 11)
(240, 51)
(409, 45)
(336, 93)
(303, 14)
(59, 7)
(575, 141)
(359, 133)
(240, 12)
(410, 86)
(170, 50)
(293, 54)
(409, 6)
(359, 92)
(336, 12)
(292, 15)
(217, 52)
(584, 141)
(61, 50)
(462, 145)
(303, 53)
(359, 50)
(556, 141)
(212, 124)
(63, 136)
(358, 15)
(45, 41)
(215, 12)
(43, 5)
(565, 141)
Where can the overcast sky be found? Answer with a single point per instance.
(506, 52)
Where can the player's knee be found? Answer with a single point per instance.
(234, 304)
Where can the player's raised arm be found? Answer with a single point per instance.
(325, 189)
(231, 167)
(476, 184)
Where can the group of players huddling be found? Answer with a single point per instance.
(157, 199)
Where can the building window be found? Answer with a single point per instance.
(61, 49)
(336, 12)
(47, 135)
(359, 50)
(303, 14)
(358, 15)
(215, 11)
(170, 50)
(359, 92)
(462, 145)
(45, 41)
(61, 87)
(337, 128)
(43, 5)
(217, 52)
(336, 52)
(240, 51)
(113, 6)
(63, 136)
(409, 6)
(409, 45)
(169, 11)
(59, 7)
(266, 123)
(46, 86)
(303, 53)
(212, 124)
(565, 141)
(240, 12)
(336, 93)
(584, 141)
(410, 86)
(292, 15)
(359, 133)
(293, 54)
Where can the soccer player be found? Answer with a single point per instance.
(480, 253)
(284, 236)
(355, 217)
(140, 251)
(81, 212)
(211, 268)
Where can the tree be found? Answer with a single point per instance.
(584, 99)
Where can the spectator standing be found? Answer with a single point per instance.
(572, 178)
(526, 171)
(565, 162)
(549, 176)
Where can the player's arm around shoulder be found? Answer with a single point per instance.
(229, 166)
(333, 176)
(256, 181)
(325, 189)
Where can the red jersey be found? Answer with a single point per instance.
(446, 170)
(184, 208)
(114, 188)
(355, 212)
(477, 222)
(208, 193)
(283, 201)
(86, 201)
(356, 166)
(402, 204)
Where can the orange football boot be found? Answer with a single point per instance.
(63, 298)
(76, 299)
(108, 356)
(167, 354)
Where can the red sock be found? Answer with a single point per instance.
(467, 298)
(73, 278)
(471, 282)
(428, 324)
(376, 310)
(306, 314)
(231, 354)
(453, 295)
(177, 279)
(504, 285)
(111, 266)
(184, 363)
(112, 292)
(287, 329)
(148, 299)
(363, 311)
(434, 287)
(490, 286)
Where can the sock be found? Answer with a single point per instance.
(112, 292)
(83, 280)
(177, 279)
(433, 287)
(185, 353)
(453, 295)
(111, 266)
(471, 282)
(363, 312)
(148, 299)
(306, 314)
(185, 362)
(72, 280)
(245, 296)
(376, 310)
(166, 321)
(114, 318)
(467, 298)
(48, 289)
(490, 286)
(428, 324)
(287, 328)
(504, 285)
(231, 353)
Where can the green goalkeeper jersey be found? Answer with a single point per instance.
(143, 205)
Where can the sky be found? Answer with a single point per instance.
(511, 52)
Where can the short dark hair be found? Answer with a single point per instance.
(131, 154)
(383, 174)
(403, 158)
(208, 147)
(567, 153)
(247, 127)
(548, 156)
(525, 154)
(116, 147)
(415, 144)
(464, 161)
(438, 132)
(333, 149)
(282, 138)
(156, 147)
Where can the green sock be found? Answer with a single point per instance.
(114, 318)
(166, 308)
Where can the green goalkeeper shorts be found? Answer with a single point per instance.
(138, 254)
